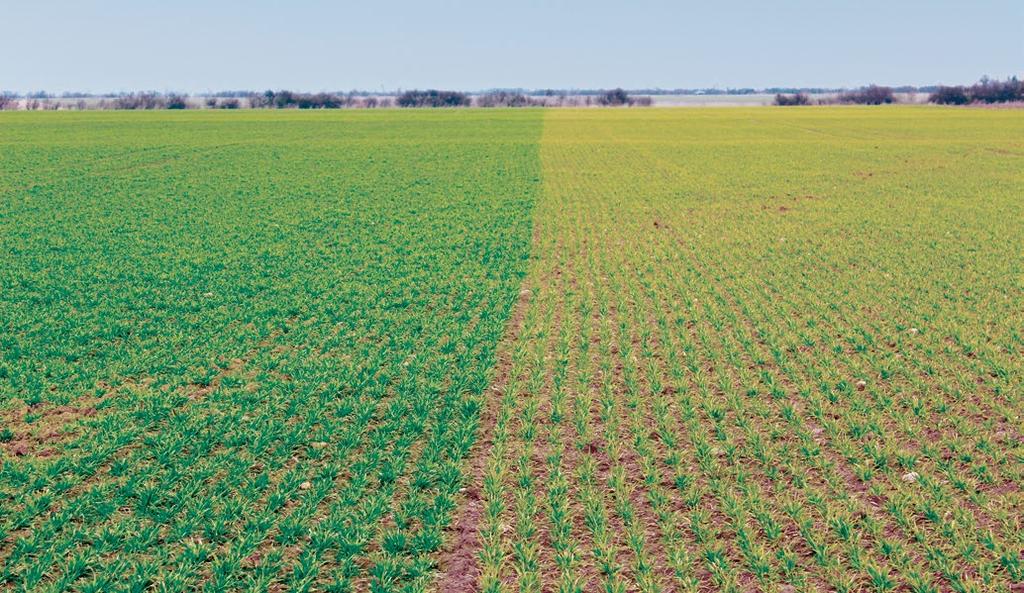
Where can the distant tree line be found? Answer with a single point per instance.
(868, 95)
(985, 91)
(501, 98)
(654, 92)
(293, 100)
(793, 99)
(132, 101)
(620, 98)
(433, 98)
(7, 101)
(223, 103)
(284, 99)
(226, 100)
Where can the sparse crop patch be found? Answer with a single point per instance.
(749, 365)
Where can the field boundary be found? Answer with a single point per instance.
(458, 566)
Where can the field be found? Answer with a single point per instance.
(554, 350)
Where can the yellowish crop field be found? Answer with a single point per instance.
(619, 350)
(762, 350)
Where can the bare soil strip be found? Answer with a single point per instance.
(459, 563)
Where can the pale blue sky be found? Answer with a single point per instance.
(200, 45)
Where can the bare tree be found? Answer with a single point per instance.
(433, 98)
(789, 100)
(177, 102)
(614, 98)
(950, 95)
(869, 95)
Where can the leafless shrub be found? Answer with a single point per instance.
(558, 100)
(950, 95)
(506, 99)
(613, 98)
(281, 99)
(317, 101)
(994, 91)
(257, 100)
(287, 99)
(433, 98)
(869, 95)
(177, 102)
(620, 98)
(790, 100)
(985, 91)
(139, 101)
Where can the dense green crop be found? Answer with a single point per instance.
(245, 350)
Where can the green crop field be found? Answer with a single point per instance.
(528, 351)
(246, 352)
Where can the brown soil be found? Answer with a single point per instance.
(50, 426)
(459, 567)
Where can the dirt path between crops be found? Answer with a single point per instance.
(459, 566)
